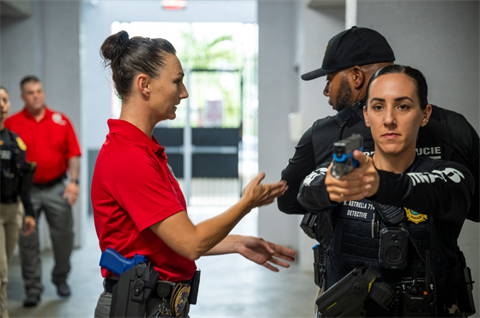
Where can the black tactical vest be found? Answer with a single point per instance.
(356, 242)
(434, 140)
(10, 166)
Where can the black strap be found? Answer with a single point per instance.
(50, 183)
(9, 200)
(13, 137)
(109, 283)
(349, 116)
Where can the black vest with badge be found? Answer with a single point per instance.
(12, 166)
(362, 247)
(356, 243)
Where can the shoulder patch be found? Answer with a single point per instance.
(58, 119)
(21, 144)
(415, 217)
(317, 172)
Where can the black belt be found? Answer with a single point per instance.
(109, 283)
(8, 200)
(112, 281)
(50, 183)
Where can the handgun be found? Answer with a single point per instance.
(117, 263)
(343, 161)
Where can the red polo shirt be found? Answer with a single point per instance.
(132, 189)
(50, 142)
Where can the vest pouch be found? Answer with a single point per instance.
(9, 186)
(9, 176)
(415, 299)
(192, 298)
(133, 291)
(466, 304)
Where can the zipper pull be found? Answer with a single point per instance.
(373, 225)
(378, 227)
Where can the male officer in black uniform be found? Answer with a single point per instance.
(16, 176)
(351, 58)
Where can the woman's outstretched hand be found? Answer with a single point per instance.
(265, 253)
(362, 182)
(260, 194)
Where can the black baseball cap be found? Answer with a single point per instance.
(355, 46)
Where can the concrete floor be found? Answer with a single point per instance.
(231, 286)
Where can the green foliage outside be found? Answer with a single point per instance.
(200, 50)
(200, 55)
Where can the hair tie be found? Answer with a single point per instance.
(122, 42)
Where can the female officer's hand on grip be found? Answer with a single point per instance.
(362, 182)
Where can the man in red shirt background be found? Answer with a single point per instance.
(53, 145)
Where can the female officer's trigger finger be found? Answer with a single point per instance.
(360, 156)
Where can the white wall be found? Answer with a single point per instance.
(46, 44)
(15, 9)
(277, 97)
(319, 25)
(441, 40)
(21, 52)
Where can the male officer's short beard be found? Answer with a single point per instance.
(344, 96)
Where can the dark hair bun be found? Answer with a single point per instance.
(129, 57)
(114, 46)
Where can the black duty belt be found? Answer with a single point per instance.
(8, 200)
(50, 183)
(149, 294)
(112, 281)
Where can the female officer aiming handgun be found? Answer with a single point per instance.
(430, 197)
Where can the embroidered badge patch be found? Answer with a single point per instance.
(358, 210)
(5, 154)
(58, 119)
(21, 144)
(415, 217)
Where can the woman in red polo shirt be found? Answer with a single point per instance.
(138, 205)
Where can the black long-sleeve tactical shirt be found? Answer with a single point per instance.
(437, 188)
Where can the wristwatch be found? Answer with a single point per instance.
(75, 181)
